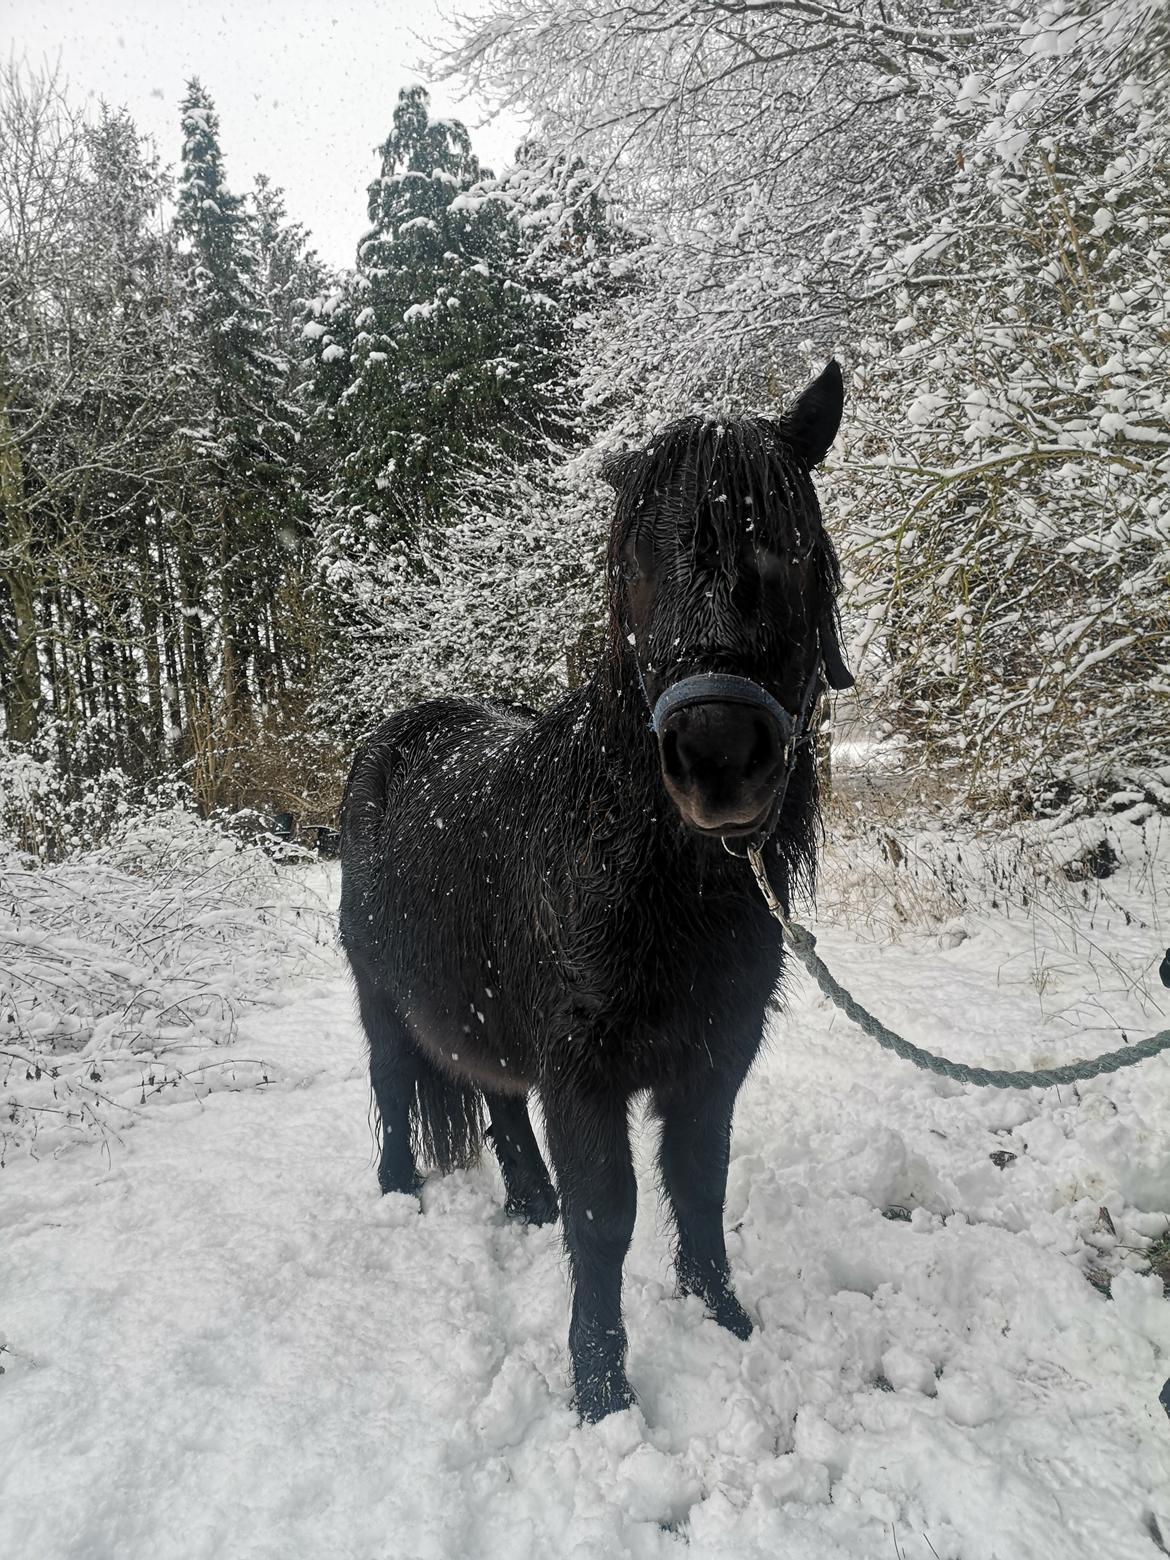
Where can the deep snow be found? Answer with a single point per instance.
(221, 1342)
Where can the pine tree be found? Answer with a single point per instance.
(446, 365)
(248, 427)
(289, 276)
(244, 442)
(432, 359)
(133, 374)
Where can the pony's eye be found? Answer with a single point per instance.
(770, 566)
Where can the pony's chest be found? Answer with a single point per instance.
(690, 1001)
(665, 965)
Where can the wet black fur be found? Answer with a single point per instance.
(523, 909)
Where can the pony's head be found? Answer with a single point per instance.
(723, 587)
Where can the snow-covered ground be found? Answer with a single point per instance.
(221, 1342)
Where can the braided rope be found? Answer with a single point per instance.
(803, 945)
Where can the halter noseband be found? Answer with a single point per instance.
(723, 688)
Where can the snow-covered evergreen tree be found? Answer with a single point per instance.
(247, 427)
(289, 275)
(244, 436)
(445, 367)
(434, 356)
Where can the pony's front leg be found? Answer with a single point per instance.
(693, 1157)
(589, 1142)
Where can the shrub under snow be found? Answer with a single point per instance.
(125, 965)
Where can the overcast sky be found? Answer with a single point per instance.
(305, 89)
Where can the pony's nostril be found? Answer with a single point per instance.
(672, 762)
(763, 752)
(719, 748)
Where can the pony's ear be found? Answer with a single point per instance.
(616, 468)
(810, 426)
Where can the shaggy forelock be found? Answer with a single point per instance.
(712, 481)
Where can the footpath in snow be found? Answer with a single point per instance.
(222, 1342)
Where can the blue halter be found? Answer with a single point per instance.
(720, 688)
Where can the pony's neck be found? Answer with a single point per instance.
(620, 724)
(625, 753)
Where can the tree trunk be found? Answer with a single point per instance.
(22, 676)
(150, 602)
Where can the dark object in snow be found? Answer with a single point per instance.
(544, 902)
(1164, 1397)
(284, 826)
(897, 1214)
(1158, 1262)
(1001, 1158)
(1101, 1280)
(1150, 1520)
(1164, 969)
(328, 842)
(1098, 860)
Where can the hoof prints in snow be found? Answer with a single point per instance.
(221, 1341)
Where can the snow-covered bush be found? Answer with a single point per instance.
(1007, 486)
(48, 813)
(124, 966)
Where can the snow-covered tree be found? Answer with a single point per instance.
(433, 356)
(290, 275)
(1009, 488)
(445, 365)
(87, 411)
(244, 436)
(154, 561)
(41, 159)
(247, 427)
(969, 205)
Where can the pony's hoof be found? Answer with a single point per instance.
(410, 1186)
(728, 1312)
(537, 1209)
(599, 1397)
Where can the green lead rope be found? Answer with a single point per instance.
(803, 944)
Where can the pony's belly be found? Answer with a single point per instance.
(469, 1048)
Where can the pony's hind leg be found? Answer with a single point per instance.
(394, 1067)
(530, 1194)
(693, 1159)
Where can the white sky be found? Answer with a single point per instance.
(305, 89)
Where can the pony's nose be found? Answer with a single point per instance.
(721, 763)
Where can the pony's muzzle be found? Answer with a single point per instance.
(723, 746)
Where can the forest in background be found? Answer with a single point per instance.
(249, 504)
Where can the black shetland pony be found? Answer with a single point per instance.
(557, 903)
